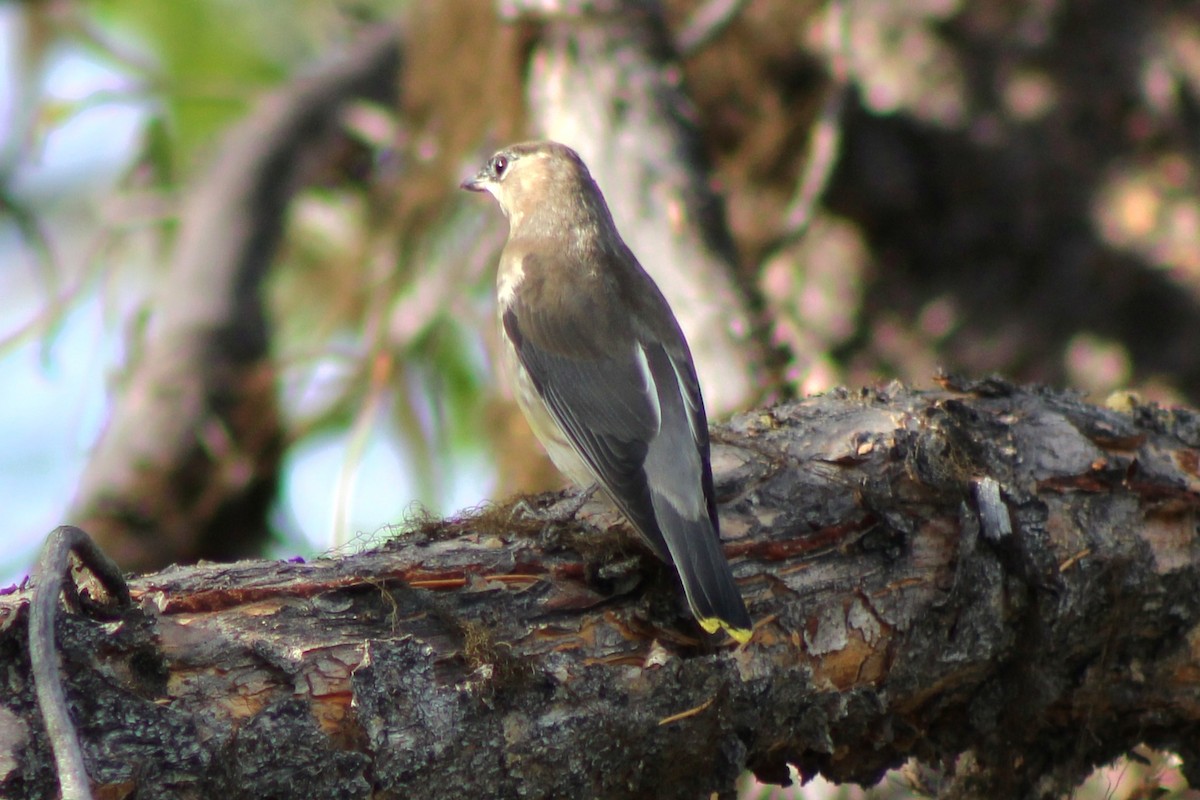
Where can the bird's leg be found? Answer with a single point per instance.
(562, 511)
(571, 507)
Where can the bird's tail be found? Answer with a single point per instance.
(712, 595)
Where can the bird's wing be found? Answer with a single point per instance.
(622, 388)
(634, 421)
(606, 403)
(671, 366)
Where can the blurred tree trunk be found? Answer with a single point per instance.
(608, 83)
(988, 572)
(187, 466)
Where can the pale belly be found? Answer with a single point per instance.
(544, 427)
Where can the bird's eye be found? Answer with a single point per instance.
(499, 164)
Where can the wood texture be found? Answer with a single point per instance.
(989, 571)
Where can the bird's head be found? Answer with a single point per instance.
(534, 176)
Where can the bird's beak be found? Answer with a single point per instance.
(475, 184)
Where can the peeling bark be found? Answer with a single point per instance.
(1005, 573)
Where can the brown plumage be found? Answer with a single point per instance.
(602, 370)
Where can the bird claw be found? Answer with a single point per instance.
(560, 511)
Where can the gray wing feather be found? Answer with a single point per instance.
(604, 408)
(631, 408)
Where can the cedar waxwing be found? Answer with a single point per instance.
(602, 371)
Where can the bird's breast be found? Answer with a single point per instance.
(508, 278)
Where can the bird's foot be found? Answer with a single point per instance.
(560, 511)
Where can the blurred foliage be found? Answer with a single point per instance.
(210, 58)
(355, 327)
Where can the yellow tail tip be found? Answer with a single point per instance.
(713, 624)
(740, 635)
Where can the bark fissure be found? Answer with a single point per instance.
(1004, 574)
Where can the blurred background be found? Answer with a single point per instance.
(245, 308)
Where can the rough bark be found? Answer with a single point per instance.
(1004, 573)
(187, 465)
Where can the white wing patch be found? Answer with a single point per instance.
(639, 354)
(687, 401)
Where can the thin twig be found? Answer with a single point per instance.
(691, 712)
(824, 143)
(53, 566)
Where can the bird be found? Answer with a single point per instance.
(602, 371)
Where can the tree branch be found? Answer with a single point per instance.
(187, 465)
(1006, 573)
(54, 566)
